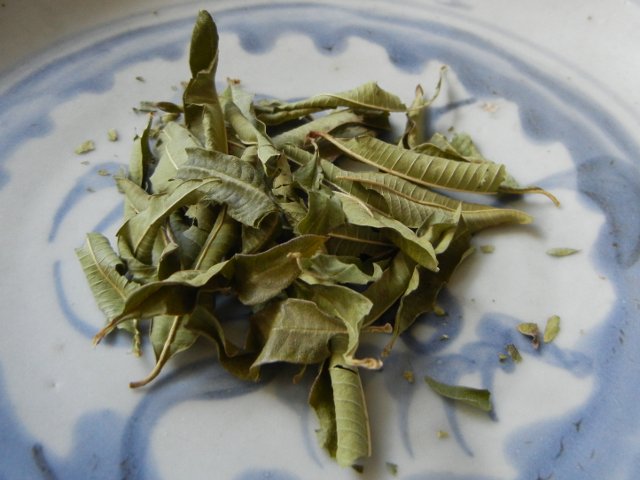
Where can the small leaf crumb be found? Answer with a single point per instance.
(561, 252)
(438, 311)
(85, 147)
(358, 468)
(140, 79)
(442, 434)
(514, 353)
(487, 248)
(392, 468)
(103, 173)
(551, 329)
(409, 376)
(112, 135)
(532, 331)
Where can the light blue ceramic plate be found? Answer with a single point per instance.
(550, 91)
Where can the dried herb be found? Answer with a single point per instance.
(514, 353)
(112, 135)
(226, 196)
(562, 252)
(532, 331)
(475, 397)
(487, 248)
(551, 329)
(392, 468)
(409, 376)
(85, 147)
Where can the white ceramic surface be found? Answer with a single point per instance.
(549, 89)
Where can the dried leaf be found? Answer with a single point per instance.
(474, 397)
(562, 252)
(551, 329)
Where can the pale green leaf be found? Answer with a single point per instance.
(423, 169)
(173, 141)
(341, 302)
(418, 248)
(232, 182)
(299, 135)
(352, 418)
(551, 329)
(368, 96)
(324, 214)
(323, 268)
(261, 276)
(295, 331)
(474, 397)
(105, 274)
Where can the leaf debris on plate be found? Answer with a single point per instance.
(85, 147)
(551, 329)
(250, 199)
(562, 252)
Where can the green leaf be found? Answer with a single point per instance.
(202, 111)
(418, 248)
(204, 323)
(219, 242)
(424, 287)
(105, 273)
(341, 302)
(368, 96)
(136, 198)
(353, 240)
(337, 398)
(142, 160)
(251, 133)
(352, 419)
(203, 52)
(551, 329)
(175, 295)
(254, 239)
(423, 169)
(323, 268)
(562, 252)
(168, 337)
(413, 204)
(392, 284)
(324, 214)
(295, 331)
(474, 397)
(261, 276)
(299, 136)
(232, 182)
(417, 115)
(173, 141)
(140, 231)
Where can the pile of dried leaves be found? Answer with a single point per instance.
(232, 197)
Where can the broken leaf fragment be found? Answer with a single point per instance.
(531, 330)
(551, 329)
(514, 353)
(474, 397)
(562, 252)
(112, 135)
(85, 147)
